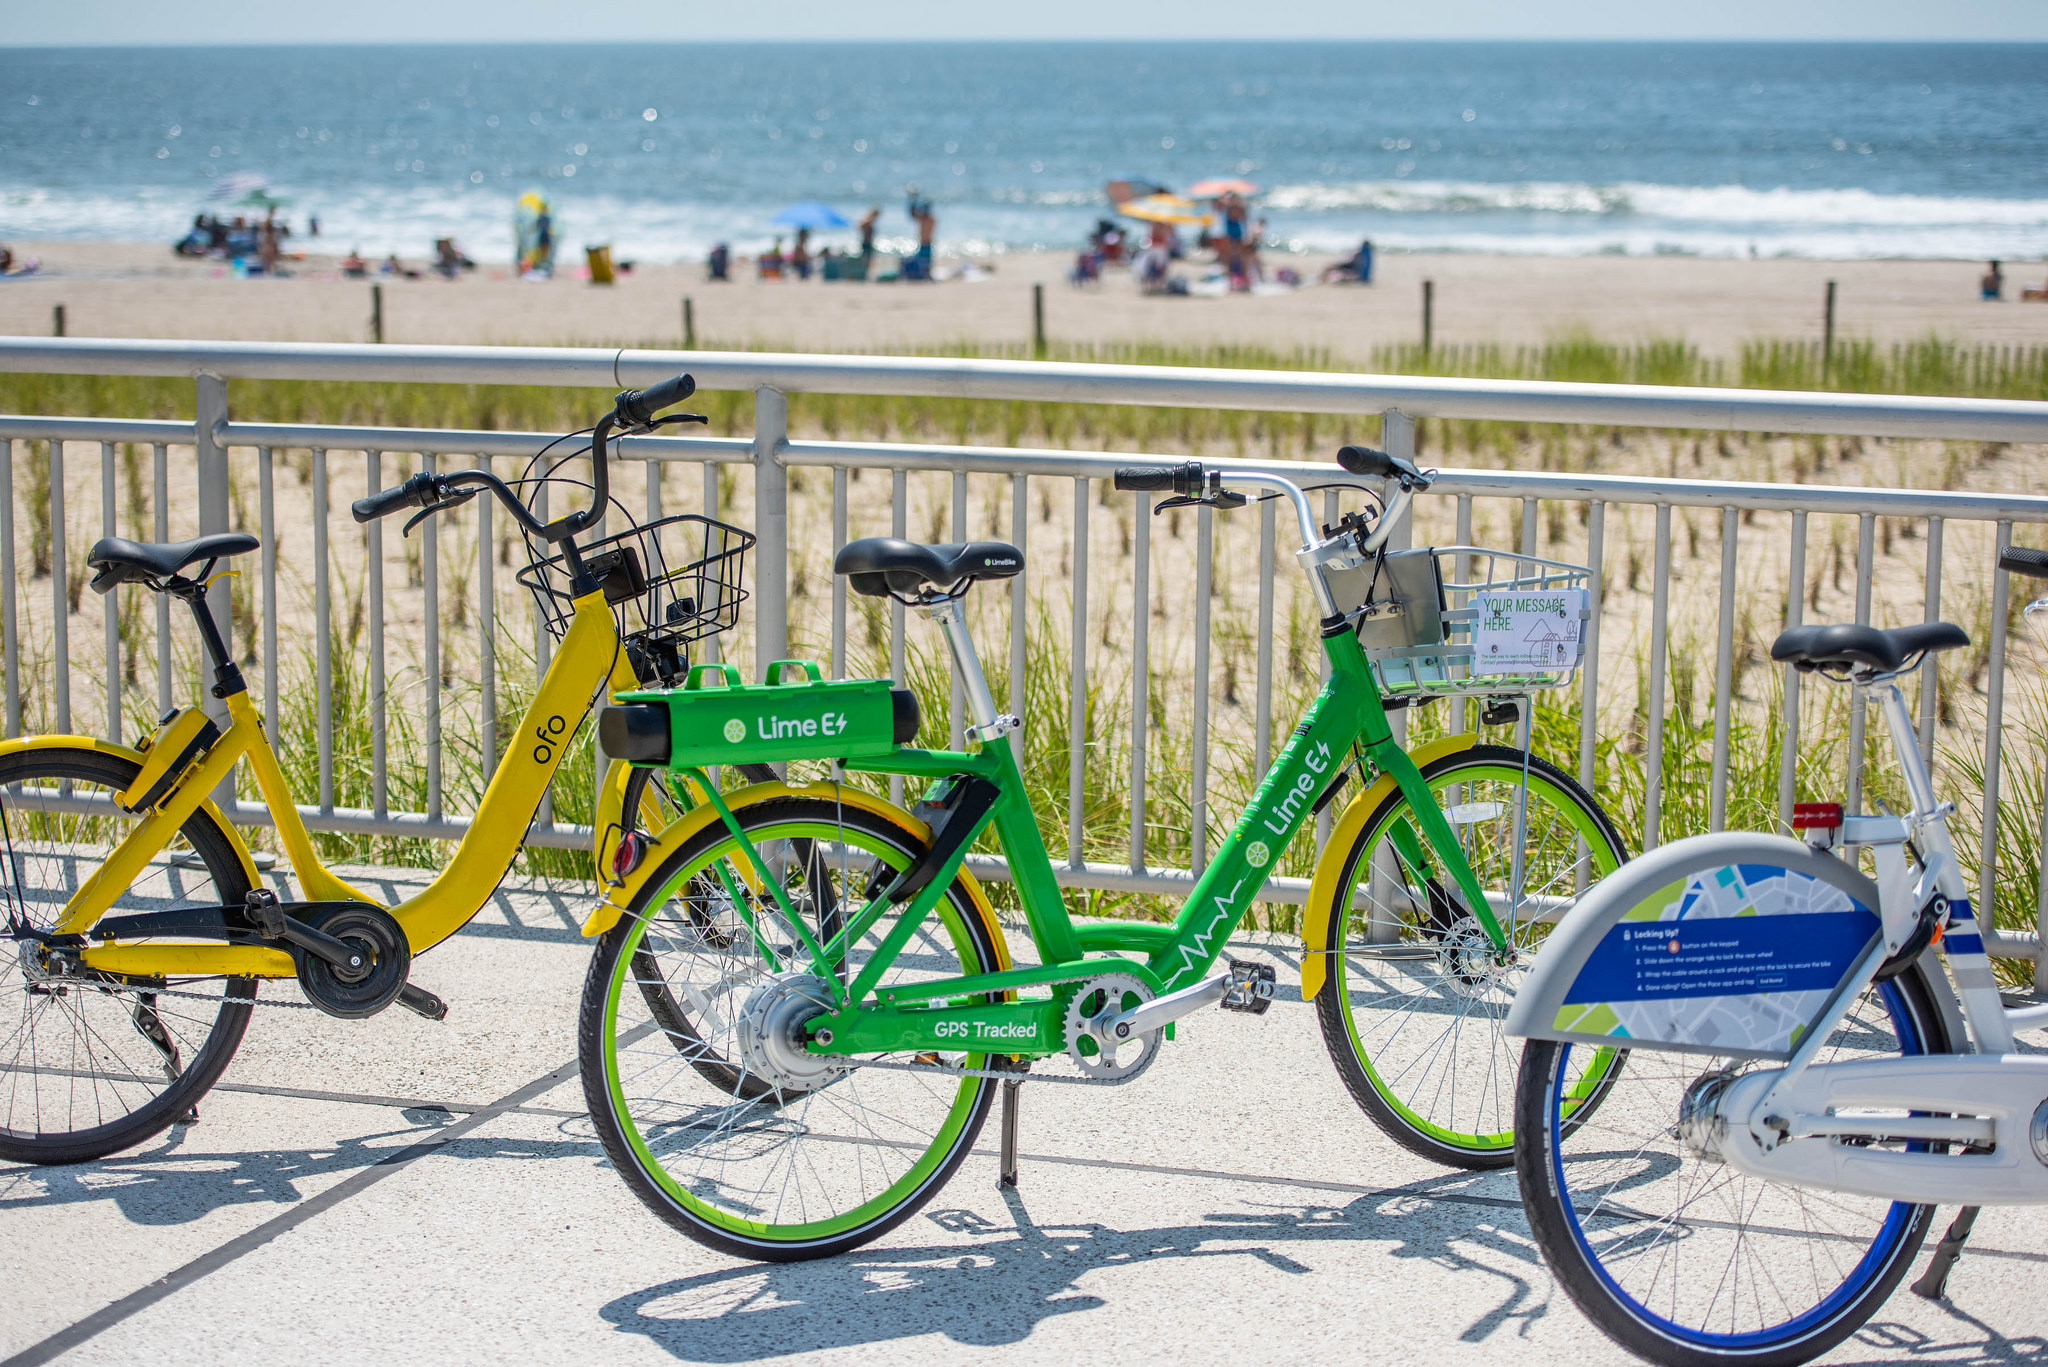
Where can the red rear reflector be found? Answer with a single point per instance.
(1816, 816)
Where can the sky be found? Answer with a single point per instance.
(150, 22)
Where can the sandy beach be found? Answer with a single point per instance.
(142, 290)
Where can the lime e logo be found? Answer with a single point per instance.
(735, 730)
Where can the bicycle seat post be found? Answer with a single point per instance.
(981, 704)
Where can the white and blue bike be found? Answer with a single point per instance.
(1804, 1081)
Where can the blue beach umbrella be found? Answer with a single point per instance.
(811, 213)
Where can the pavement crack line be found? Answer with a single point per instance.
(64, 1340)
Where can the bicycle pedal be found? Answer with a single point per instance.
(1251, 988)
(421, 1002)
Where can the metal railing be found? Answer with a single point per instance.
(771, 454)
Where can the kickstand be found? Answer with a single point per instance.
(1011, 1087)
(1933, 1283)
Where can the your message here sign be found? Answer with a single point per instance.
(1526, 631)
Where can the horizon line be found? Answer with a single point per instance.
(864, 40)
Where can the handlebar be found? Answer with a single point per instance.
(2024, 560)
(1363, 460)
(636, 410)
(416, 492)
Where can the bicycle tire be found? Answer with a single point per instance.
(1657, 1171)
(74, 1031)
(717, 1160)
(1403, 1020)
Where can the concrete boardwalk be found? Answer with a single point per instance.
(400, 1191)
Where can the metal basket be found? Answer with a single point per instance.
(1419, 623)
(670, 582)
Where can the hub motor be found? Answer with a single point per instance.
(772, 1033)
(1701, 1130)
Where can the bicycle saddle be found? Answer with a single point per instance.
(881, 565)
(1848, 646)
(121, 561)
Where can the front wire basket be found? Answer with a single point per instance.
(1442, 665)
(670, 582)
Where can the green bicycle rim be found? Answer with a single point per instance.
(1603, 861)
(872, 1209)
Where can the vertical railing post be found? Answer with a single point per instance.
(771, 527)
(1724, 675)
(1589, 677)
(1930, 675)
(1653, 754)
(211, 417)
(110, 608)
(1198, 785)
(1141, 670)
(1865, 536)
(1020, 641)
(1994, 734)
(1077, 680)
(1397, 439)
(7, 572)
(1795, 612)
(60, 599)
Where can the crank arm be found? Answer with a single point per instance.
(321, 945)
(1161, 1011)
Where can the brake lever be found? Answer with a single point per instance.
(1223, 499)
(452, 501)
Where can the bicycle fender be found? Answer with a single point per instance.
(24, 744)
(1323, 891)
(619, 896)
(1732, 945)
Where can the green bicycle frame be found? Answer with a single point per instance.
(982, 1010)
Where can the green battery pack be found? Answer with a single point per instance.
(797, 714)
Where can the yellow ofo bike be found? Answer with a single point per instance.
(141, 930)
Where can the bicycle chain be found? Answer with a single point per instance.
(111, 988)
(999, 1074)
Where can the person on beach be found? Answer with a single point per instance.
(867, 237)
(919, 266)
(266, 244)
(800, 254)
(718, 265)
(353, 266)
(1992, 285)
(1358, 269)
(770, 264)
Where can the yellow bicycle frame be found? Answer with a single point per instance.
(589, 658)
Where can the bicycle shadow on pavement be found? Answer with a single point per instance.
(995, 1287)
(173, 1180)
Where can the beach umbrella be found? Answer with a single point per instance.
(263, 199)
(1164, 209)
(1228, 185)
(809, 214)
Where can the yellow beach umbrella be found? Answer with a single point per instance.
(1164, 209)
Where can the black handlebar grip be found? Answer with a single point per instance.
(640, 407)
(1184, 479)
(415, 492)
(1363, 460)
(1144, 479)
(2024, 560)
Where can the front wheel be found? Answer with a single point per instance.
(691, 1039)
(1416, 992)
(1676, 1256)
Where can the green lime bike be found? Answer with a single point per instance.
(802, 1005)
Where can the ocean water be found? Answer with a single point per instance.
(1707, 149)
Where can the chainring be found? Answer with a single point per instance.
(1099, 1000)
(354, 995)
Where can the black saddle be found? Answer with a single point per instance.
(121, 561)
(1847, 646)
(879, 566)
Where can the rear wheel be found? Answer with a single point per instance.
(1417, 994)
(1678, 1257)
(91, 1064)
